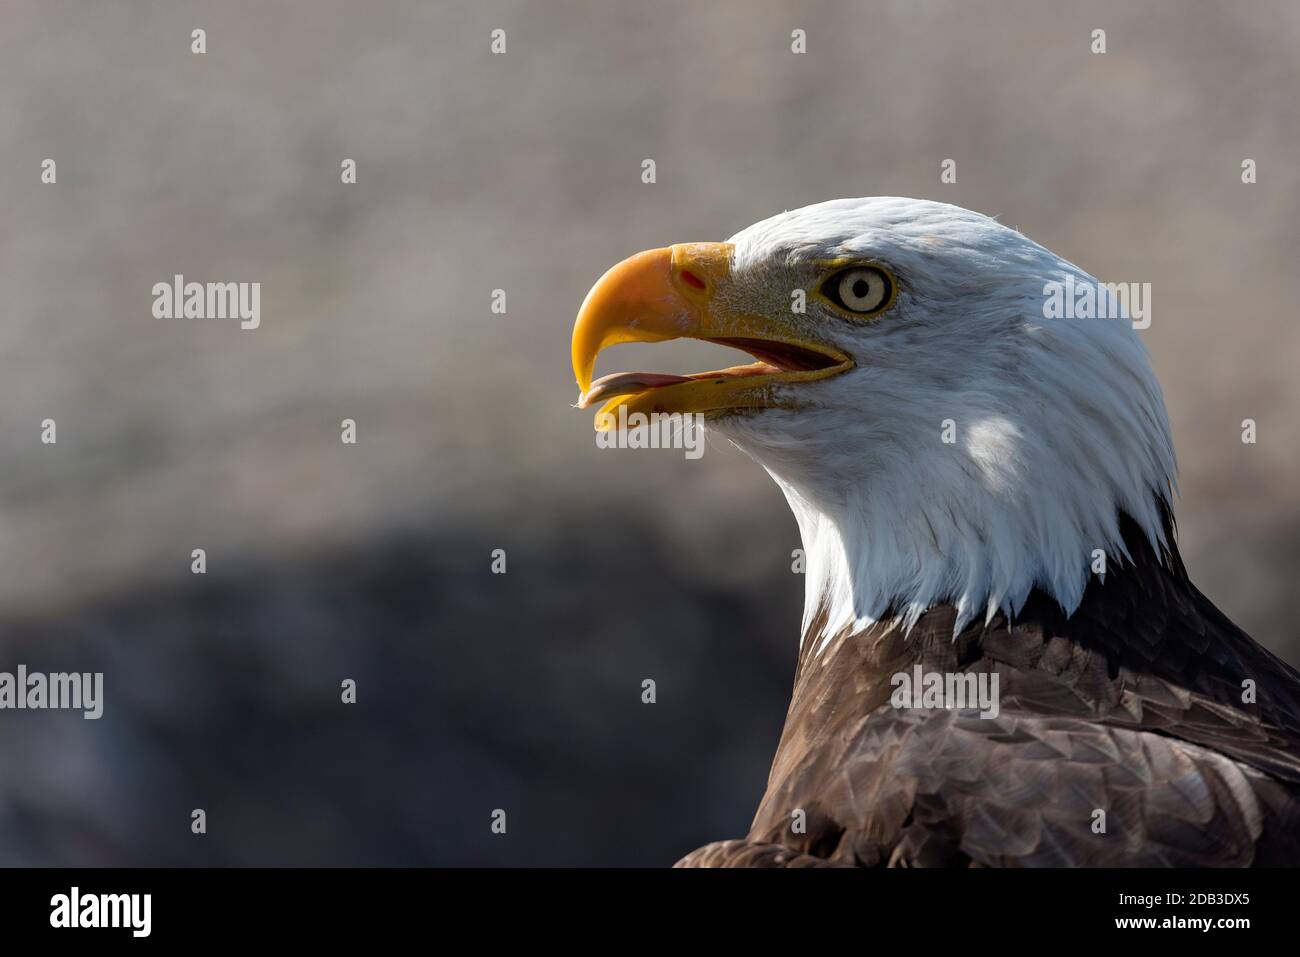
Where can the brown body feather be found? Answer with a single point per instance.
(1132, 706)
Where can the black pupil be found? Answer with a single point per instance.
(860, 288)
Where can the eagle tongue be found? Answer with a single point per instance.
(626, 383)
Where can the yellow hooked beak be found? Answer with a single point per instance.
(682, 291)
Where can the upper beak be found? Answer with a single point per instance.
(672, 293)
(655, 295)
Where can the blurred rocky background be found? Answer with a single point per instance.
(522, 171)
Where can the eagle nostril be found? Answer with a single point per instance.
(692, 280)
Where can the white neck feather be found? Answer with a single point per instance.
(896, 522)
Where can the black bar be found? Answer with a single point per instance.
(233, 906)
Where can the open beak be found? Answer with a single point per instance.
(683, 291)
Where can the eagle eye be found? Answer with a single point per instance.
(861, 290)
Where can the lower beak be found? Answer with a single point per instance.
(672, 293)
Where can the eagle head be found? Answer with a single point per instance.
(938, 436)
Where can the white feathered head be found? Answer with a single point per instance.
(938, 437)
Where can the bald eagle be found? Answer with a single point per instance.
(984, 494)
